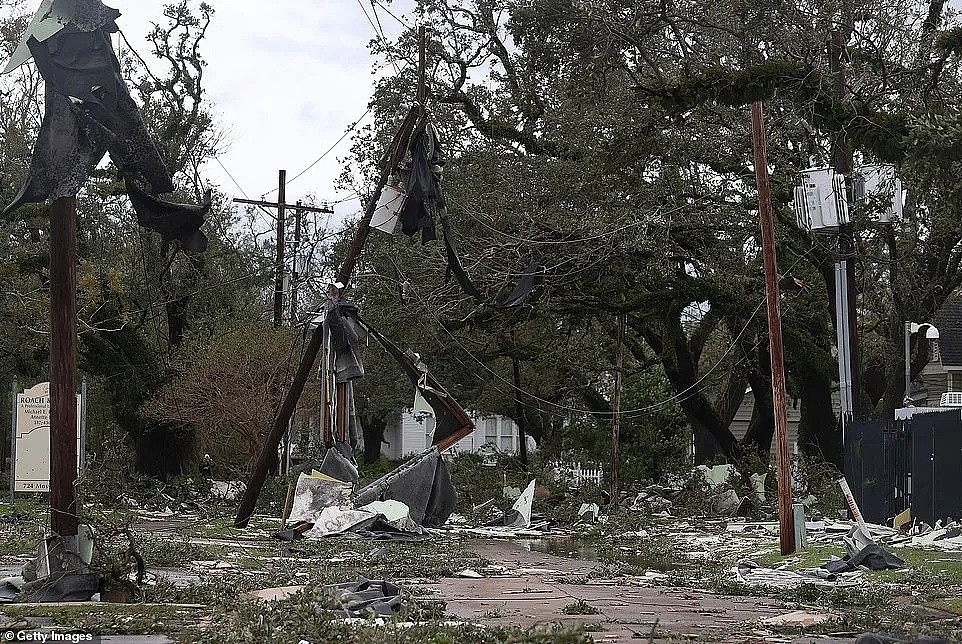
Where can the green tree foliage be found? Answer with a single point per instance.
(143, 306)
(610, 141)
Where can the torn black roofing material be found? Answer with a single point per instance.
(89, 112)
(86, 15)
(178, 221)
(532, 277)
(425, 199)
(345, 340)
(455, 266)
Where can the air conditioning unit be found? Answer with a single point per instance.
(820, 200)
(878, 185)
(951, 399)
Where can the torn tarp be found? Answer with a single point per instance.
(872, 556)
(863, 552)
(365, 598)
(315, 493)
(348, 523)
(423, 484)
(425, 199)
(532, 277)
(342, 321)
(88, 112)
(178, 221)
(519, 516)
(338, 466)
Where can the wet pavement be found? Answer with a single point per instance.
(535, 588)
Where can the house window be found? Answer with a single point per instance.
(955, 381)
(491, 431)
(507, 435)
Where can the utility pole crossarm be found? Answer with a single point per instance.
(324, 210)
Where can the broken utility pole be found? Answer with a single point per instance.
(63, 369)
(785, 511)
(414, 121)
(262, 465)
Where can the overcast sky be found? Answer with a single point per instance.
(286, 79)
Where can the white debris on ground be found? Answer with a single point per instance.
(827, 531)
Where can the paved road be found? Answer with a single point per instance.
(535, 588)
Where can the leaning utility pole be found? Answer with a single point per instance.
(63, 369)
(785, 512)
(413, 123)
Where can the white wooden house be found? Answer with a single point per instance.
(412, 435)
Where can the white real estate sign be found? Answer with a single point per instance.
(33, 439)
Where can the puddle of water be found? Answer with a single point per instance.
(573, 548)
(563, 547)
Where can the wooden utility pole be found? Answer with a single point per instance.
(785, 512)
(280, 258)
(280, 265)
(295, 276)
(616, 410)
(63, 368)
(392, 158)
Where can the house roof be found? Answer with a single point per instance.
(948, 321)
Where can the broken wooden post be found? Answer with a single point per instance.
(786, 521)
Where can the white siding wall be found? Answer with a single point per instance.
(413, 436)
(743, 417)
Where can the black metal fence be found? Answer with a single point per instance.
(917, 463)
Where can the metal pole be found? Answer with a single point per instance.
(63, 367)
(843, 163)
(908, 362)
(846, 396)
(13, 439)
(616, 409)
(83, 425)
(785, 511)
(279, 263)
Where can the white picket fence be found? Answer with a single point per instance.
(577, 474)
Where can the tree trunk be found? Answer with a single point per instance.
(374, 428)
(761, 428)
(819, 435)
(711, 432)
